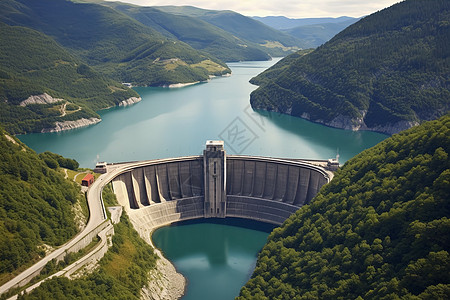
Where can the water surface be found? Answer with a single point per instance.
(217, 259)
(217, 256)
(177, 122)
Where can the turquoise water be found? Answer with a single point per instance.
(217, 256)
(217, 259)
(176, 122)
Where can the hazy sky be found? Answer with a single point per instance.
(288, 8)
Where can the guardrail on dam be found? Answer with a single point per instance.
(160, 192)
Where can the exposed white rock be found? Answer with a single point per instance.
(40, 99)
(394, 128)
(305, 115)
(67, 125)
(130, 101)
(164, 281)
(180, 85)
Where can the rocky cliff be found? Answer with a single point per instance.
(130, 101)
(67, 125)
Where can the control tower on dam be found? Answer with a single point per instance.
(215, 185)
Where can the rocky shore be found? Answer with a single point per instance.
(130, 101)
(345, 122)
(164, 281)
(67, 125)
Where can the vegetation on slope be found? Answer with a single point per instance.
(195, 32)
(386, 72)
(268, 39)
(31, 64)
(282, 23)
(315, 35)
(35, 206)
(378, 230)
(121, 274)
(112, 42)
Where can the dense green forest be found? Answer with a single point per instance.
(386, 72)
(113, 43)
(31, 63)
(121, 274)
(378, 230)
(195, 32)
(35, 205)
(270, 40)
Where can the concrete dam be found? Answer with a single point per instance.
(215, 185)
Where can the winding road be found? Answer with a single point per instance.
(97, 215)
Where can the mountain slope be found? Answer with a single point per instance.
(35, 206)
(195, 32)
(378, 230)
(32, 64)
(273, 41)
(386, 73)
(317, 34)
(113, 43)
(281, 23)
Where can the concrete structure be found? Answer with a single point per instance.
(100, 167)
(159, 192)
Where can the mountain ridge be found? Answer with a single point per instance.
(113, 43)
(375, 75)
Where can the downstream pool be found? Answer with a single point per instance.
(217, 255)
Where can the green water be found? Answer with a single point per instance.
(176, 122)
(217, 257)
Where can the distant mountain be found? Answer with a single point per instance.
(386, 73)
(32, 64)
(113, 43)
(275, 42)
(195, 32)
(280, 22)
(378, 230)
(315, 35)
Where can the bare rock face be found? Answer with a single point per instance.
(67, 125)
(164, 281)
(40, 99)
(130, 101)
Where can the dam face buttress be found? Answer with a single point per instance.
(215, 185)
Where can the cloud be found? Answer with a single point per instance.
(288, 8)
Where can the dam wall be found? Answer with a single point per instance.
(215, 185)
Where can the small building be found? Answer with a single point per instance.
(87, 180)
(100, 167)
(333, 164)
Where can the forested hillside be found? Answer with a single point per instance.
(195, 32)
(35, 205)
(32, 64)
(387, 72)
(120, 274)
(315, 35)
(283, 23)
(113, 43)
(273, 41)
(378, 230)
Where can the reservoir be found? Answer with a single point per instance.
(177, 122)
